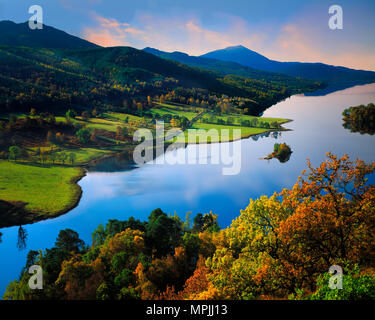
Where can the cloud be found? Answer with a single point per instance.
(169, 34)
(109, 32)
(299, 40)
(291, 45)
(298, 43)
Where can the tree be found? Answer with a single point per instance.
(85, 115)
(93, 137)
(70, 114)
(357, 285)
(230, 120)
(334, 210)
(121, 132)
(50, 136)
(14, 152)
(162, 232)
(281, 243)
(83, 135)
(207, 222)
(62, 156)
(52, 157)
(24, 154)
(72, 157)
(68, 240)
(184, 122)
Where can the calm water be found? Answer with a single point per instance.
(317, 128)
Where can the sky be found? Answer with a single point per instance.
(293, 30)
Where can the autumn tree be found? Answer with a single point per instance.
(33, 112)
(282, 243)
(85, 115)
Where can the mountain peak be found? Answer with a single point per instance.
(240, 46)
(239, 54)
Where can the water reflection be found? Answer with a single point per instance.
(107, 194)
(21, 239)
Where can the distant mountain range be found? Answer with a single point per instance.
(241, 61)
(226, 67)
(75, 73)
(315, 71)
(51, 70)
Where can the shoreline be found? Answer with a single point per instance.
(22, 216)
(18, 215)
(247, 135)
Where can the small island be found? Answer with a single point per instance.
(43, 155)
(281, 152)
(360, 119)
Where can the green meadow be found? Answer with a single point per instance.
(47, 187)
(204, 135)
(45, 190)
(163, 109)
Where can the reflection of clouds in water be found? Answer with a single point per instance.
(316, 129)
(186, 182)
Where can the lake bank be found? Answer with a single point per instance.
(112, 192)
(31, 193)
(20, 208)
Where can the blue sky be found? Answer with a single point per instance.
(292, 30)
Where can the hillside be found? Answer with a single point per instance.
(234, 68)
(53, 79)
(19, 34)
(102, 78)
(54, 71)
(334, 76)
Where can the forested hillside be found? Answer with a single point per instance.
(293, 84)
(279, 247)
(19, 34)
(47, 75)
(335, 76)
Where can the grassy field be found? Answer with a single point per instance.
(182, 107)
(216, 136)
(41, 190)
(160, 111)
(46, 190)
(84, 155)
(238, 117)
(109, 122)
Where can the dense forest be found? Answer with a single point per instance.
(117, 79)
(53, 71)
(360, 119)
(280, 246)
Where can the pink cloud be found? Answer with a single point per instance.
(109, 32)
(295, 41)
